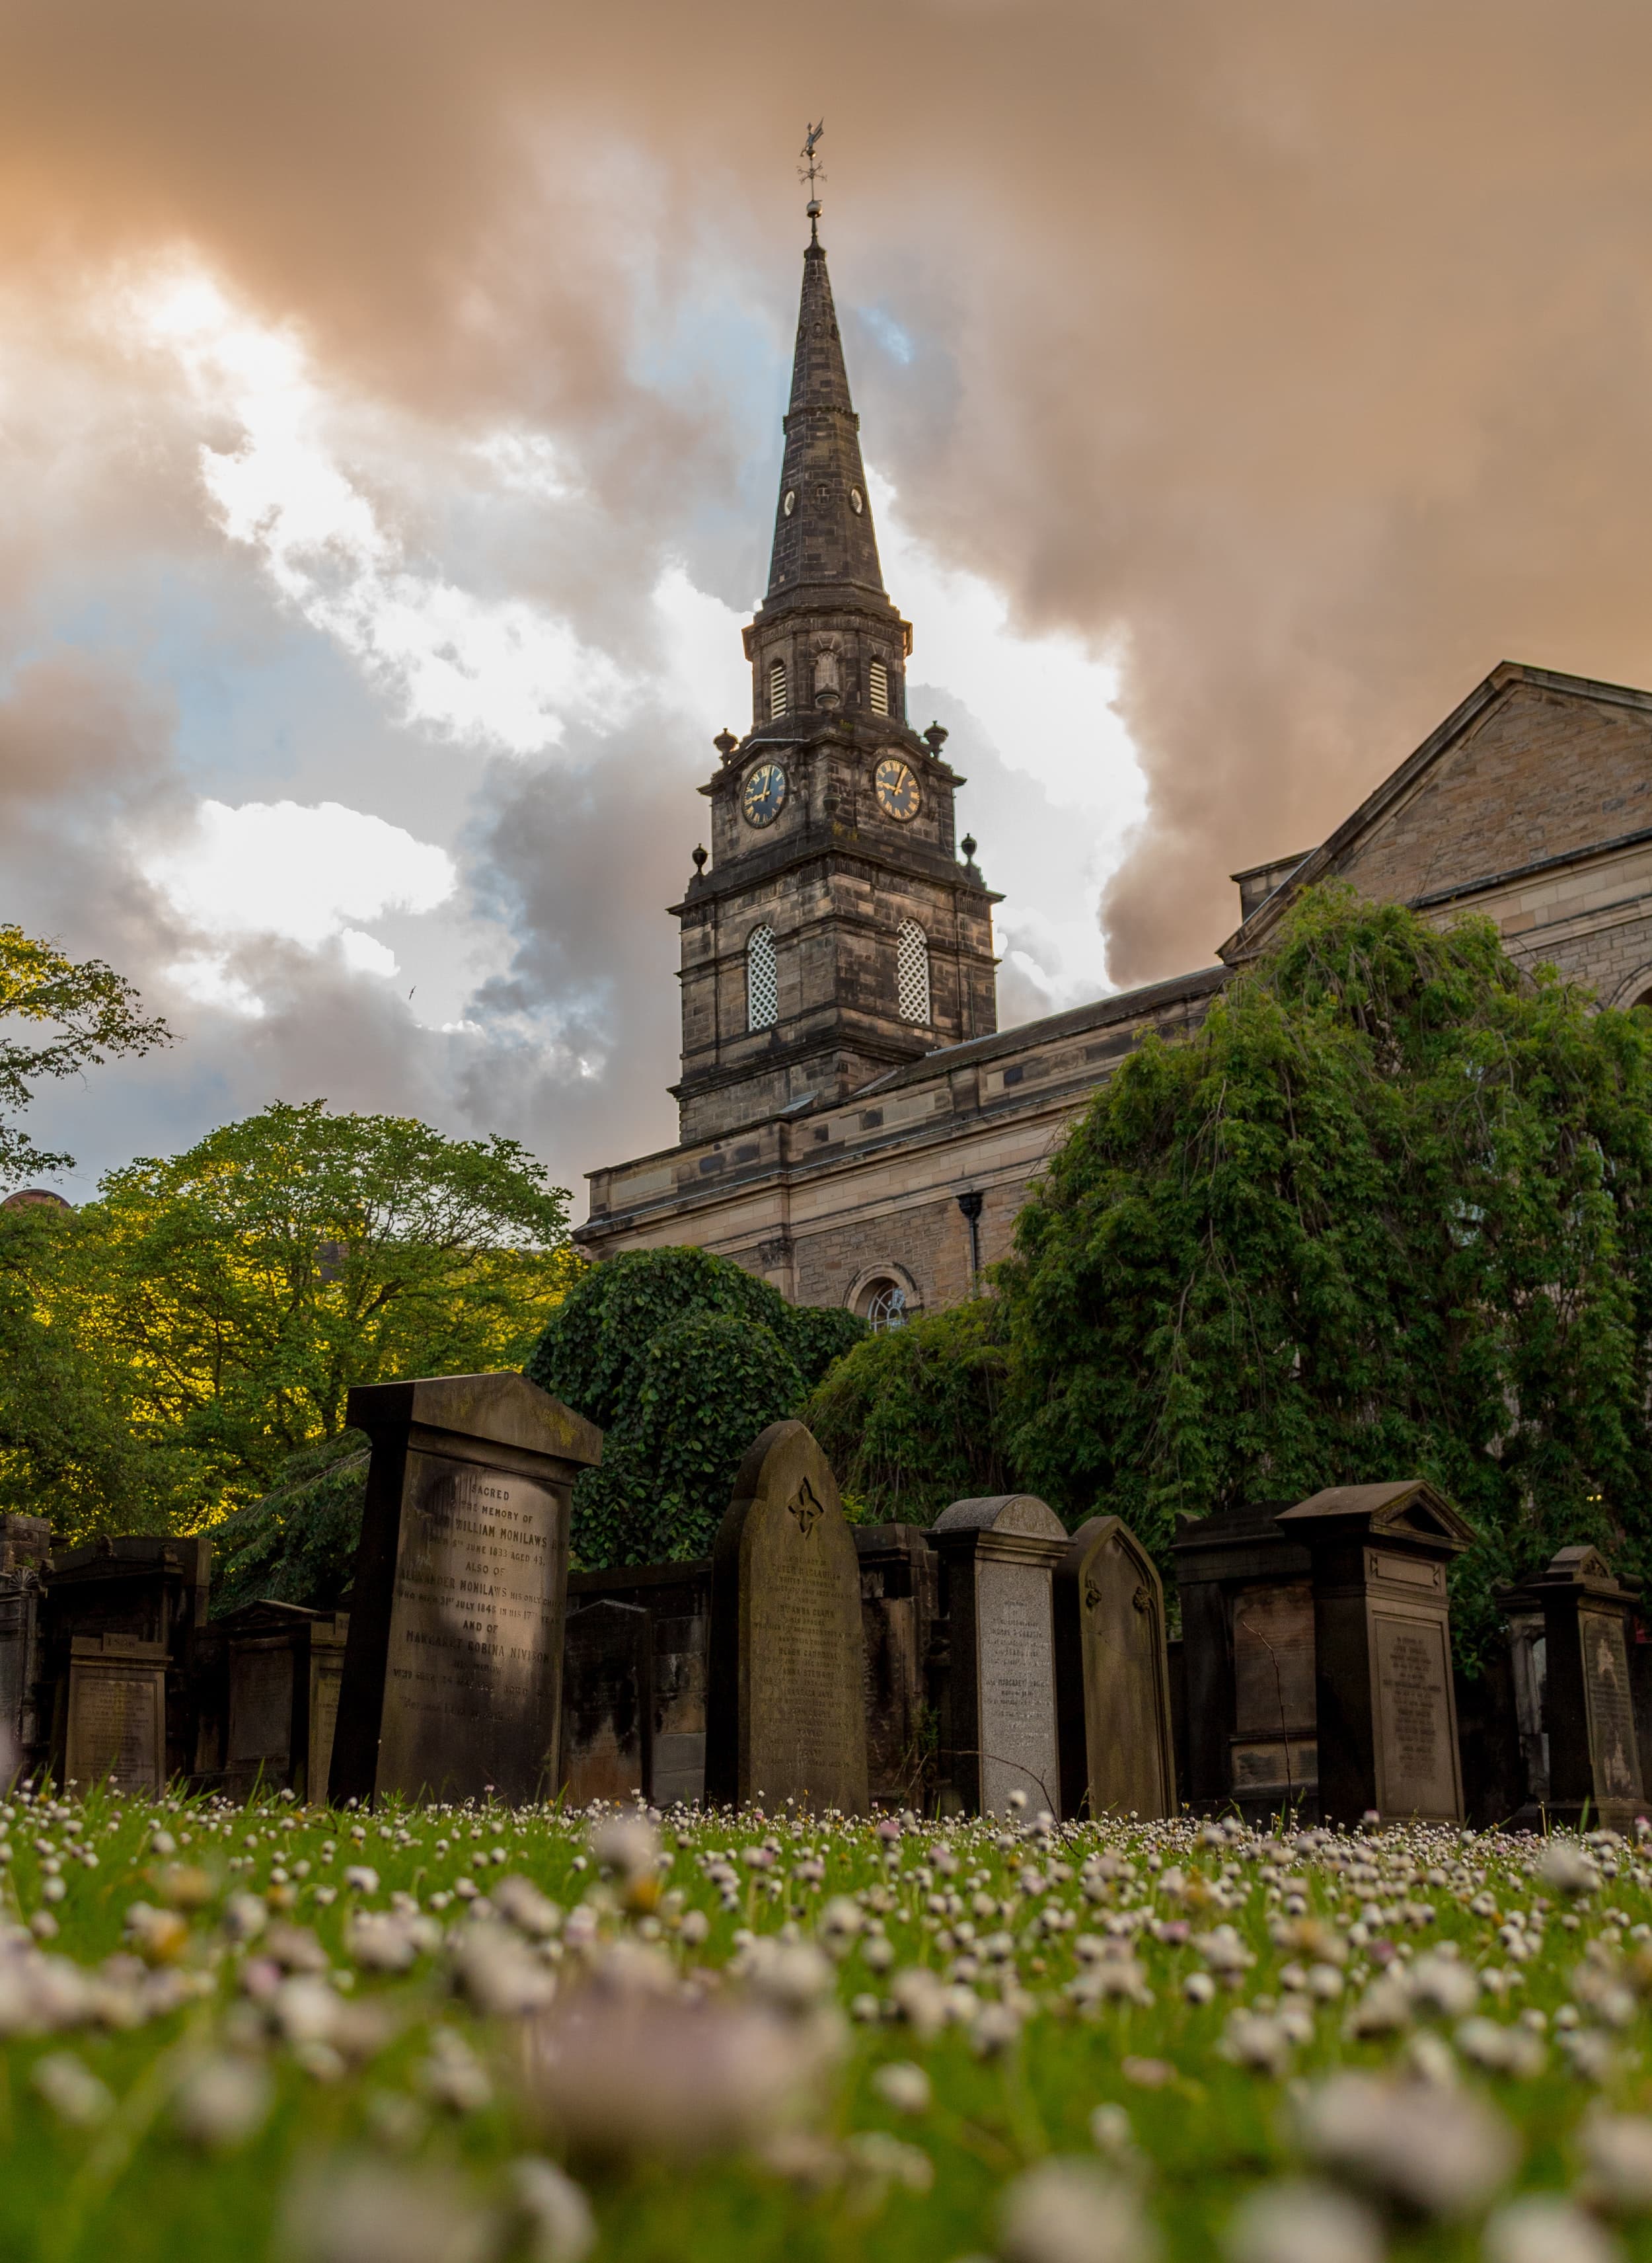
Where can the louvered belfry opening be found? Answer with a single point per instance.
(777, 687)
(879, 688)
(911, 972)
(762, 980)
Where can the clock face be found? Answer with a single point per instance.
(896, 789)
(763, 795)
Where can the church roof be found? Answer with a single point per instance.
(1514, 783)
(822, 516)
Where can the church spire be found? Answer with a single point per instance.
(823, 522)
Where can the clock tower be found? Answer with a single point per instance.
(835, 936)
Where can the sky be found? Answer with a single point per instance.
(390, 405)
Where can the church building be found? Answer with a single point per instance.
(853, 1125)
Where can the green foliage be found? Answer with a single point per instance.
(1386, 1214)
(297, 1544)
(909, 1420)
(78, 1014)
(203, 1319)
(682, 1357)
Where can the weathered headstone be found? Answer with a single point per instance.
(26, 1556)
(997, 1556)
(115, 1709)
(1112, 1677)
(453, 1667)
(1247, 1618)
(677, 1599)
(280, 1671)
(899, 1602)
(148, 1588)
(1578, 1683)
(785, 1715)
(1386, 1703)
(605, 1702)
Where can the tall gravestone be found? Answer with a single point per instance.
(145, 1588)
(1112, 1677)
(998, 1558)
(1247, 1618)
(606, 1654)
(785, 1715)
(452, 1676)
(898, 1602)
(26, 1558)
(676, 1601)
(1574, 1623)
(1386, 1703)
(115, 1712)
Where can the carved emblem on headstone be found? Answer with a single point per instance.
(804, 1508)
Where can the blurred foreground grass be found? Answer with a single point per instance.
(464, 2036)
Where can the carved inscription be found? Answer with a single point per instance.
(1612, 1744)
(804, 1687)
(475, 1631)
(115, 1725)
(1018, 1685)
(1413, 1723)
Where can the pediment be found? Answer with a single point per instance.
(1401, 1509)
(1533, 769)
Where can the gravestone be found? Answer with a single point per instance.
(1112, 1677)
(676, 1599)
(785, 1714)
(1577, 1674)
(1247, 1618)
(149, 1588)
(26, 1558)
(452, 1676)
(115, 1713)
(1386, 1703)
(605, 1702)
(281, 1669)
(997, 1556)
(898, 1603)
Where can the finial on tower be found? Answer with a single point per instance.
(812, 171)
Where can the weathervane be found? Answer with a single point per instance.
(811, 172)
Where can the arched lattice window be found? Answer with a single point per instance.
(911, 972)
(883, 1306)
(763, 981)
(777, 687)
(880, 688)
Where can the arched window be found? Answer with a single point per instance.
(911, 972)
(880, 688)
(885, 1306)
(763, 982)
(777, 687)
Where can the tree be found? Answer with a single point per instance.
(1388, 1212)
(682, 1357)
(909, 1419)
(219, 1304)
(79, 1013)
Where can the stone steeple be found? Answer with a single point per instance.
(822, 516)
(836, 935)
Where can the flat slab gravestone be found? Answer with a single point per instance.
(1247, 1619)
(898, 1591)
(1387, 1705)
(116, 1713)
(676, 1599)
(282, 1670)
(1583, 1715)
(998, 1559)
(785, 1715)
(1112, 1677)
(606, 1655)
(453, 1667)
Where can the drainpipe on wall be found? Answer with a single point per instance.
(970, 1205)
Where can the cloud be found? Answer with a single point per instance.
(1263, 377)
(304, 875)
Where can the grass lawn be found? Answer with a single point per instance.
(464, 2036)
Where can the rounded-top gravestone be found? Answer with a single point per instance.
(1112, 1676)
(998, 1727)
(785, 1715)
